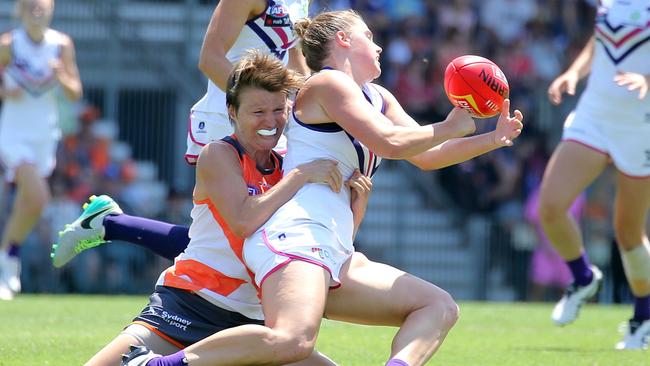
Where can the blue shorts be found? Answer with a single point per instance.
(183, 318)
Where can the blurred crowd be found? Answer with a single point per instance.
(531, 40)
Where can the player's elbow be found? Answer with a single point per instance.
(395, 148)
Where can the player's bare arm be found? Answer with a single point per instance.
(243, 213)
(341, 100)
(225, 25)
(5, 59)
(297, 61)
(66, 71)
(567, 82)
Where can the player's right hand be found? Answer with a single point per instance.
(461, 122)
(322, 171)
(565, 83)
(13, 93)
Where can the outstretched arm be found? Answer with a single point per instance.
(457, 150)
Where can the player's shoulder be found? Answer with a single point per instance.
(60, 37)
(331, 83)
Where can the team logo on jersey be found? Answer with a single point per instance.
(253, 191)
(322, 253)
(201, 125)
(277, 15)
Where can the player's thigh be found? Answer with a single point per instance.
(378, 294)
(293, 298)
(572, 167)
(631, 209)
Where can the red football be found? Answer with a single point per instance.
(477, 85)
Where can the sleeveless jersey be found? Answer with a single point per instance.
(34, 113)
(212, 264)
(271, 31)
(622, 33)
(317, 202)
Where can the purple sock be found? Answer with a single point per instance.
(14, 250)
(642, 308)
(164, 239)
(175, 359)
(396, 362)
(582, 275)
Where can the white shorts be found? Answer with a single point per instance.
(16, 151)
(271, 248)
(204, 128)
(624, 135)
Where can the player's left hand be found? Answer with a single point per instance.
(633, 81)
(508, 127)
(360, 188)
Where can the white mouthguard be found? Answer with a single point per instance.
(267, 132)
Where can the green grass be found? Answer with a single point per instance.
(67, 330)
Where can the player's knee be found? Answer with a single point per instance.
(292, 347)
(443, 307)
(35, 203)
(551, 209)
(627, 233)
(449, 310)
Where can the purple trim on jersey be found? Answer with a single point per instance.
(619, 59)
(320, 127)
(290, 258)
(273, 48)
(383, 101)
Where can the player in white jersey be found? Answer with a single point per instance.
(268, 26)
(305, 248)
(35, 61)
(610, 123)
(208, 288)
(235, 27)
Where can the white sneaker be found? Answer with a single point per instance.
(86, 232)
(5, 292)
(138, 356)
(566, 310)
(636, 335)
(10, 272)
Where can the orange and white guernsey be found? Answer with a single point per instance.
(212, 264)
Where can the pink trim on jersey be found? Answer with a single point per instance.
(191, 159)
(639, 177)
(291, 257)
(282, 152)
(587, 146)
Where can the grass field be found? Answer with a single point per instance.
(67, 330)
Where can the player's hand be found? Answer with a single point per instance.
(633, 81)
(508, 128)
(57, 68)
(460, 122)
(360, 188)
(565, 83)
(13, 93)
(322, 171)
